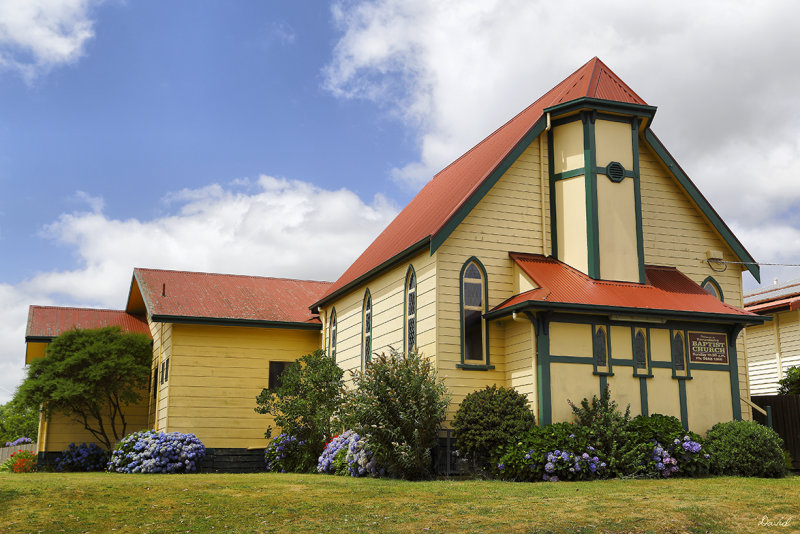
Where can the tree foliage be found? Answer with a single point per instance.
(93, 376)
(304, 403)
(790, 384)
(18, 420)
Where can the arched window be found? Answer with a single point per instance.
(640, 351)
(473, 298)
(600, 348)
(366, 333)
(678, 353)
(712, 288)
(332, 335)
(411, 311)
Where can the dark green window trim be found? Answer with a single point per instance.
(541, 326)
(486, 362)
(734, 367)
(366, 328)
(592, 222)
(684, 404)
(713, 282)
(686, 372)
(643, 395)
(599, 105)
(332, 334)
(569, 174)
(406, 290)
(474, 367)
(638, 372)
(608, 368)
(637, 194)
(553, 214)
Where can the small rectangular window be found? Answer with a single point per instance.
(155, 382)
(276, 370)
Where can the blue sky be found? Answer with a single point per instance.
(278, 138)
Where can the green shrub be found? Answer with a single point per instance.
(656, 427)
(790, 384)
(399, 405)
(745, 448)
(489, 418)
(304, 404)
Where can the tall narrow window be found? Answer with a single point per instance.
(640, 351)
(678, 353)
(411, 310)
(367, 325)
(600, 348)
(472, 292)
(332, 335)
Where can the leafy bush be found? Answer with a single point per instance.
(745, 448)
(398, 405)
(82, 458)
(489, 418)
(149, 451)
(333, 455)
(20, 462)
(360, 459)
(285, 454)
(790, 384)
(656, 427)
(304, 404)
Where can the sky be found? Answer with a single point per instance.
(279, 138)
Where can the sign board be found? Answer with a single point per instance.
(705, 347)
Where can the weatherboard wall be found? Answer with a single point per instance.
(216, 374)
(771, 349)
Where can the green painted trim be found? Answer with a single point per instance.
(444, 232)
(661, 365)
(609, 357)
(684, 405)
(734, 366)
(637, 195)
(711, 366)
(716, 286)
(365, 357)
(474, 367)
(405, 308)
(553, 210)
(605, 310)
(564, 120)
(614, 118)
(603, 382)
(39, 339)
(624, 363)
(601, 105)
(485, 307)
(219, 321)
(541, 325)
(643, 395)
(400, 257)
(703, 204)
(636, 371)
(604, 172)
(572, 359)
(569, 174)
(592, 223)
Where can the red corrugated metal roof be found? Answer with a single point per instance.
(667, 289)
(51, 321)
(227, 296)
(441, 198)
(792, 303)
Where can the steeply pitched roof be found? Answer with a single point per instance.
(449, 196)
(180, 296)
(667, 293)
(47, 322)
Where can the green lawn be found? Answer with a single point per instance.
(104, 502)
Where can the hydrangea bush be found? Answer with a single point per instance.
(149, 451)
(82, 458)
(283, 454)
(333, 456)
(19, 441)
(361, 459)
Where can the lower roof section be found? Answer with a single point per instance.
(48, 322)
(668, 294)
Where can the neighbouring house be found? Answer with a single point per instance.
(774, 346)
(565, 252)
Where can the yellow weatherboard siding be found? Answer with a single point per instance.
(388, 313)
(568, 147)
(216, 374)
(521, 359)
(570, 381)
(571, 222)
(616, 213)
(507, 219)
(568, 339)
(34, 350)
(771, 349)
(613, 142)
(708, 399)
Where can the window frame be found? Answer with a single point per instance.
(714, 284)
(332, 331)
(409, 289)
(285, 365)
(639, 372)
(367, 317)
(485, 362)
(684, 373)
(607, 368)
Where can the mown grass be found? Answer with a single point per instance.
(105, 502)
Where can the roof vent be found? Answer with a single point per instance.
(615, 171)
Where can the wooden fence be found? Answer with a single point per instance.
(785, 420)
(6, 452)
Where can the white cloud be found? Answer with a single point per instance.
(37, 35)
(721, 72)
(266, 227)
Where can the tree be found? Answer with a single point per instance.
(93, 376)
(304, 403)
(790, 384)
(17, 420)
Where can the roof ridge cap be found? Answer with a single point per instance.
(231, 274)
(87, 308)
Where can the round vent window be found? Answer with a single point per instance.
(615, 171)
